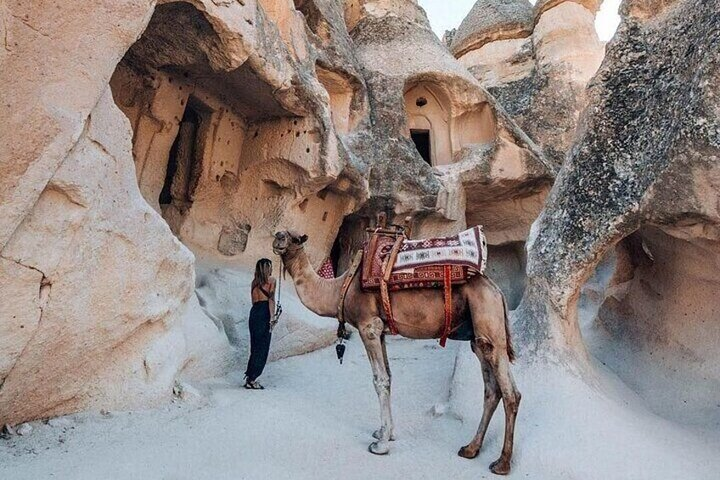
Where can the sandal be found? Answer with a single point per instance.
(253, 386)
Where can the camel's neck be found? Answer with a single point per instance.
(320, 295)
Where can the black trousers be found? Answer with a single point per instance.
(260, 336)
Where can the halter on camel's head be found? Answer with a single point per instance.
(287, 243)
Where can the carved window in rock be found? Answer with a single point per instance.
(185, 160)
(428, 116)
(340, 92)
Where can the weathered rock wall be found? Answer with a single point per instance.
(98, 298)
(536, 62)
(484, 149)
(49, 90)
(106, 314)
(641, 173)
(265, 153)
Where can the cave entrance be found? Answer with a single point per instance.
(185, 158)
(350, 239)
(421, 139)
(507, 266)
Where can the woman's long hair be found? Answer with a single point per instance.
(263, 272)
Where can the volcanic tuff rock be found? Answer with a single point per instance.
(492, 20)
(104, 312)
(536, 63)
(467, 127)
(643, 178)
(204, 127)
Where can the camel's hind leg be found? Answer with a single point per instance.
(499, 362)
(492, 399)
(371, 333)
(492, 339)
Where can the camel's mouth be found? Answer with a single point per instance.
(279, 245)
(285, 242)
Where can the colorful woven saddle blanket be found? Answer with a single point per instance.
(421, 263)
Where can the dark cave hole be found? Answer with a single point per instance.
(421, 139)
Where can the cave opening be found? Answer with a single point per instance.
(350, 238)
(506, 266)
(185, 156)
(198, 118)
(421, 139)
(441, 126)
(648, 314)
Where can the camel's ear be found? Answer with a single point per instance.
(303, 239)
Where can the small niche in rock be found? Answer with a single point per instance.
(341, 91)
(233, 239)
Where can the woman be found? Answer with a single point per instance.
(262, 293)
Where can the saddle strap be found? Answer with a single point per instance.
(367, 264)
(354, 266)
(447, 288)
(388, 265)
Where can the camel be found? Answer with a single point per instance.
(419, 314)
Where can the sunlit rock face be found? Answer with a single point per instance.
(536, 61)
(641, 179)
(188, 127)
(100, 312)
(423, 97)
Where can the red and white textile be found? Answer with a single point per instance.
(326, 270)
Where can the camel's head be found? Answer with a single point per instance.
(288, 242)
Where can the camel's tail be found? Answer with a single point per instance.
(510, 349)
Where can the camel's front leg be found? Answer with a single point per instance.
(371, 333)
(378, 433)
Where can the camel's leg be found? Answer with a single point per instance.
(377, 433)
(492, 399)
(371, 334)
(500, 365)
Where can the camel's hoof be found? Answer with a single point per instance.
(500, 467)
(377, 435)
(467, 452)
(379, 448)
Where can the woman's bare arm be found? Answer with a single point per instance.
(272, 297)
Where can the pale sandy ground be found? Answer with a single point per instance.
(315, 419)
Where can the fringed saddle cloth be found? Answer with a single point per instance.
(392, 263)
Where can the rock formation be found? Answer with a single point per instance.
(470, 164)
(641, 180)
(150, 151)
(181, 139)
(535, 61)
(231, 135)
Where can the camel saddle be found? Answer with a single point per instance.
(391, 262)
